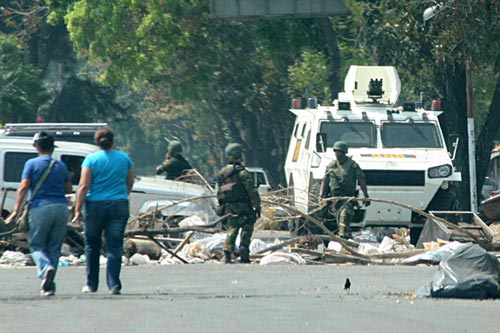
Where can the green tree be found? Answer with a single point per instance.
(20, 89)
(209, 82)
(308, 77)
(213, 80)
(431, 58)
(70, 90)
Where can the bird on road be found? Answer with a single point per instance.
(347, 285)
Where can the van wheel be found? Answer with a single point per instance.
(3, 226)
(172, 222)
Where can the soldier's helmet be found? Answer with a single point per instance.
(340, 145)
(234, 150)
(174, 147)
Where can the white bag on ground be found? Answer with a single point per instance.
(256, 245)
(191, 221)
(202, 248)
(280, 258)
(139, 259)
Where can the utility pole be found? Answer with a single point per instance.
(428, 14)
(471, 139)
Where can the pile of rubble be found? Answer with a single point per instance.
(151, 239)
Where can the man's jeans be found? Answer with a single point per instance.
(47, 233)
(110, 217)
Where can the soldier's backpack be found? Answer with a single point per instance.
(232, 189)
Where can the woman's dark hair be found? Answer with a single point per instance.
(44, 142)
(104, 138)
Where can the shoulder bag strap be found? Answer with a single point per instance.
(42, 179)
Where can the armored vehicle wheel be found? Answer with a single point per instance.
(445, 200)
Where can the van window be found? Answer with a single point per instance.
(74, 165)
(308, 139)
(355, 133)
(14, 165)
(261, 179)
(296, 130)
(302, 135)
(409, 135)
(258, 178)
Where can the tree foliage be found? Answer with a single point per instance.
(67, 86)
(21, 91)
(432, 55)
(308, 76)
(206, 81)
(164, 69)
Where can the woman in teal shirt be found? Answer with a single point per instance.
(106, 181)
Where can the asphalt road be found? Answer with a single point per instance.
(240, 298)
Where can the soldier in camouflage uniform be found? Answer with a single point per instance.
(238, 195)
(175, 165)
(340, 181)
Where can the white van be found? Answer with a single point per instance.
(15, 151)
(149, 192)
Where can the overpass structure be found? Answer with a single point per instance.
(241, 9)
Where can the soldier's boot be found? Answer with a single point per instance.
(244, 255)
(227, 257)
(347, 231)
(342, 230)
(344, 234)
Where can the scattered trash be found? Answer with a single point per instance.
(335, 246)
(470, 272)
(139, 259)
(71, 260)
(451, 226)
(387, 245)
(194, 221)
(151, 238)
(16, 259)
(368, 248)
(205, 248)
(281, 258)
(436, 255)
(257, 245)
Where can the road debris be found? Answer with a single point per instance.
(469, 272)
(151, 238)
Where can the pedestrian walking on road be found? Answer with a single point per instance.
(105, 184)
(340, 180)
(48, 182)
(238, 195)
(175, 165)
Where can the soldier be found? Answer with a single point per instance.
(238, 195)
(175, 165)
(340, 181)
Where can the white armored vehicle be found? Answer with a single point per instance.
(401, 149)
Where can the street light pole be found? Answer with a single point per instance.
(471, 139)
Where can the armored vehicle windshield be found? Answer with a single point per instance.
(355, 133)
(410, 135)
